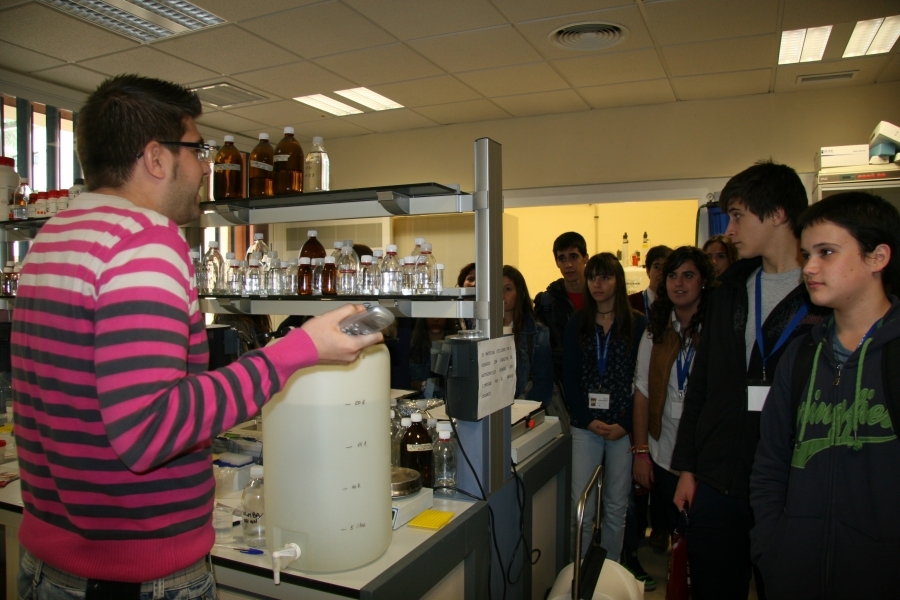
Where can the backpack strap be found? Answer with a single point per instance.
(803, 364)
(890, 374)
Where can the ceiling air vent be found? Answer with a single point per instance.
(225, 95)
(588, 36)
(824, 77)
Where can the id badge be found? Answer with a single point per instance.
(677, 407)
(757, 392)
(598, 400)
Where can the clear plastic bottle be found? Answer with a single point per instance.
(234, 281)
(368, 277)
(253, 509)
(439, 279)
(228, 176)
(291, 274)
(318, 268)
(253, 279)
(312, 247)
(417, 249)
(394, 427)
(444, 463)
(626, 257)
(215, 268)
(329, 277)
(408, 283)
(405, 422)
(19, 206)
(275, 278)
(267, 266)
(432, 428)
(425, 267)
(259, 245)
(305, 277)
(317, 170)
(288, 164)
(378, 260)
(391, 272)
(347, 270)
(199, 271)
(416, 450)
(338, 247)
(422, 409)
(261, 168)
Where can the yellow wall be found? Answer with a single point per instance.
(670, 223)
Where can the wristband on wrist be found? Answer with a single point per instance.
(640, 449)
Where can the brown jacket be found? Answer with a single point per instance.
(662, 359)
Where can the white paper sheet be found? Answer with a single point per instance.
(496, 374)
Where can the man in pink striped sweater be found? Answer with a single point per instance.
(114, 405)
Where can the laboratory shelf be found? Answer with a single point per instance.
(401, 306)
(380, 201)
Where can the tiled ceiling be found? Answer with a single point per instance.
(458, 61)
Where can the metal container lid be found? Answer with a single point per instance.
(404, 482)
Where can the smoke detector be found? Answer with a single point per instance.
(588, 36)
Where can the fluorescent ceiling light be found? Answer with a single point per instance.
(369, 99)
(791, 46)
(814, 45)
(329, 105)
(886, 36)
(862, 37)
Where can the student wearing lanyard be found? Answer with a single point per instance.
(664, 361)
(825, 487)
(599, 352)
(732, 370)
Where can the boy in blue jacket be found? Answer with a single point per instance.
(825, 485)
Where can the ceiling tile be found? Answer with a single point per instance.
(408, 19)
(225, 121)
(20, 59)
(722, 85)
(330, 128)
(73, 76)
(866, 67)
(519, 79)
(700, 20)
(892, 72)
(543, 103)
(240, 10)
(482, 49)
(463, 112)
(226, 50)
(813, 13)
(390, 120)
(618, 67)
(298, 79)
(279, 114)
(426, 92)
(45, 30)
(524, 10)
(636, 93)
(150, 63)
(628, 17)
(320, 30)
(719, 56)
(385, 64)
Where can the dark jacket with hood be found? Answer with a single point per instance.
(825, 489)
(554, 309)
(534, 363)
(717, 435)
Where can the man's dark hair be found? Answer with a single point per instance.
(570, 239)
(654, 254)
(121, 117)
(764, 188)
(870, 219)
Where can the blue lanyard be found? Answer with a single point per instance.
(601, 358)
(646, 303)
(684, 367)
(788, 330)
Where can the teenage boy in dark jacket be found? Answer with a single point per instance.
(825, 487)
(719, 427)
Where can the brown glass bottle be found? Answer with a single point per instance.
(416, 450)
(261, 168)
(329, 277)
(228, 176)
(312, 247)
(304, 277)
(288, 165)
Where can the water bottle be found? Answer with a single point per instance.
(444, 463)
(252, 510)
(346, 273)
(235, 279)
(319, 267)
(275, 278)
(199, 271)
(368, 277)
(405, 422)
(425, 267)
(408, 283)
(438, 279)
(378, 260)
(317, 170)
(253, 279)
(291, 277)
(264, 268)
(215, 268)
(391, 273)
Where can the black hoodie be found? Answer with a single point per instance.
(827, 506)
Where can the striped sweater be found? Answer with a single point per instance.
(114, 406)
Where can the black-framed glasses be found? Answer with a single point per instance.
(200, 148)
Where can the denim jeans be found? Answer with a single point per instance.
(34, 586)
(588, 451)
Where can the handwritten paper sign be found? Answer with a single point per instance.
(496, 374)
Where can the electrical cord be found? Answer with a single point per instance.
(529, 554)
